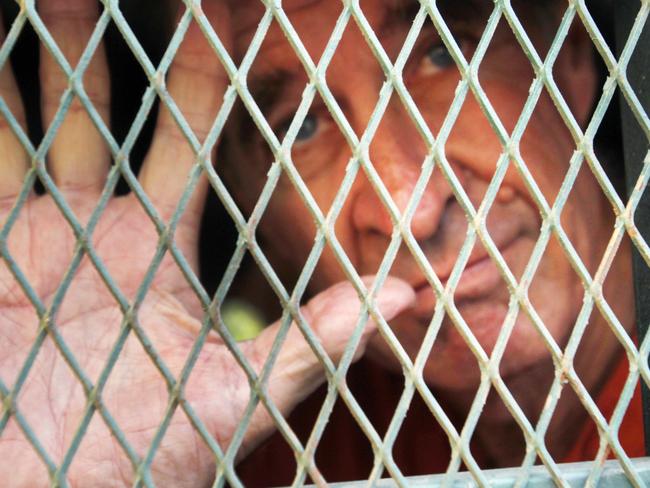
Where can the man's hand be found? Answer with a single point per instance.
(51, 399)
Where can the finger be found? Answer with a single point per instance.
(78, 158)
(197, 83)
(14, 161)
(332, 315)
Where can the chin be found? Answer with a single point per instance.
(453, 366)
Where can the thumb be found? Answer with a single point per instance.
(332, 315)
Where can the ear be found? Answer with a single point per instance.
(575, 73)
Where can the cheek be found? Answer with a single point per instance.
(472, 141)
(290, 230)
(545, 146)
(319, 158)
(434, 97)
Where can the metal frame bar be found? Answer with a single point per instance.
(637, 157)
(575, 475)
(599, 471)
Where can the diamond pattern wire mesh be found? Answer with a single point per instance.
(435, 160)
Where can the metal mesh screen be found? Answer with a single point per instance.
(223, 454)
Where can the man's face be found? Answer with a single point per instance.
(397, 152)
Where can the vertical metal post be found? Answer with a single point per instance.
(636, 151)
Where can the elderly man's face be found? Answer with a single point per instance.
(397, 152)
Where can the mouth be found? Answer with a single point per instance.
(479, 278)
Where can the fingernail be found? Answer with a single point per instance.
(394, 297)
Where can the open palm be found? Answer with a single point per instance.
(89, 319)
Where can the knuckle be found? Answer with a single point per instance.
(75, 109)
(199, 123)
(96, 86)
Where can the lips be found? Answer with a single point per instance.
(479, 279)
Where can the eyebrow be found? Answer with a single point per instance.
(465, 11)
(401, 13)
(294, 7)
(268, 88)
(456, 14)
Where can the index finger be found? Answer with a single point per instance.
(197, 83)
(78, 156)
(14, 161)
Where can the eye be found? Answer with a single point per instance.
(307, 130)
(439, 56)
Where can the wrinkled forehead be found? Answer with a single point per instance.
(314, 18)
(247, 13)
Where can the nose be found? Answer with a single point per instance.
(397, 154)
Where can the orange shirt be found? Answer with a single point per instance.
(421, 447)
(631, 431)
